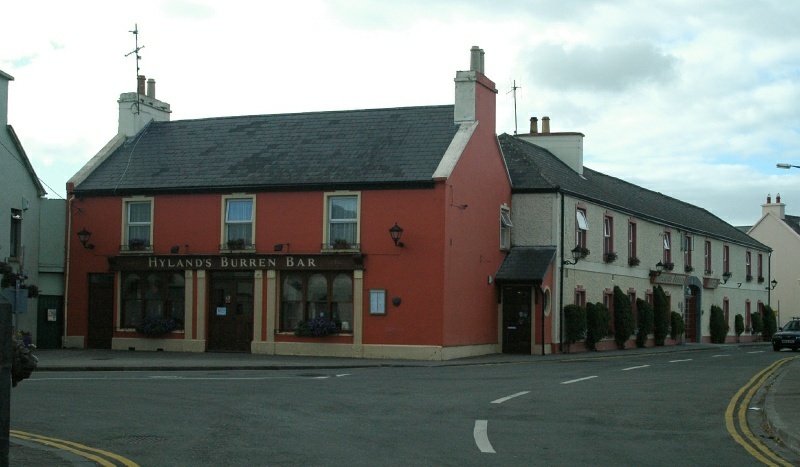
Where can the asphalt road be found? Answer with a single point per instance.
(656, 409)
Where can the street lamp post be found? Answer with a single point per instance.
(787, 166)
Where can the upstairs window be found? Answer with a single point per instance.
(726, 259)
(632, 258)
(15, 239)
(748, 265)
(608, 235)
(238, 229)
(581, 227)
(707, 261)
(138, 225)
(505, 228)
(667, 248)
(760, 267)
(688, 246)
(342, 222)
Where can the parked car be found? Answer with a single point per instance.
(787, 337)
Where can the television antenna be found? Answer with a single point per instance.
(514, 88)
(138, 57)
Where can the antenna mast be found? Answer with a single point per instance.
(514, 88)
(138, 57)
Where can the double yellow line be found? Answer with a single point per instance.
(103, 458)
(736, 417)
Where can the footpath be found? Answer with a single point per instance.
(781, 405)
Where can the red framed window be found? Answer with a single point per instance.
(608, 236)
(707, 258)
(608, 301)
(688, 246)
(726, 259)
(667, 248)
(632, 241)
(580, 297)
(748, 265)
(760, 267)
(726, 310)
(581, 227)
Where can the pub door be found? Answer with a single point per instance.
(517, 319)
(230, 327)
(692, 316)
(101, 311)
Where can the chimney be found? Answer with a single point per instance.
(545, 124)
(475, 99)
(568, 147)
(777, 208)
(137, 109)
(4, 80)
(534, 125)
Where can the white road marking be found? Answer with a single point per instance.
(482, 437)
(578, 380)
(678, 361)
(635, 367)
(503, 399)
(720, 355)
(757, 351)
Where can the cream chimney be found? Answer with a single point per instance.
(534, 125)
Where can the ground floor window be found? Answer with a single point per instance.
(156, 294)
(310, 295)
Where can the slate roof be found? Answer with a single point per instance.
(526, 264)
(793, 222)
(535, 169)
(356, 148)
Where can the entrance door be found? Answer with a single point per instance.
(517, 319)
(101, 311)
(230, 327)
(691, 318)
(50, 321)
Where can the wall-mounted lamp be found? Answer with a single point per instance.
(396, 301)
(659, 268)
(175, 249)
(396, 232)
(577, 254)
(773, 284)
(725, 276)
(279, 247)
(84, 236)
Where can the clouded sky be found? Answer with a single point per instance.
(695, 99)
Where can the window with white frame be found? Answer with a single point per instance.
(581, 227)
(608, 237)
(726, 259)
(632, 258)
(342, 226)
(688, 246)
(505, 228)
(667, 248)
(748, 265)
(238, 229)
(707, 257)
(138, 229)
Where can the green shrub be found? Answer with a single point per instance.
(738, 326)
(623, 318)
(644, 313)
(676, 321)
(770, 323)
(598, 324)
(718, 326)
(574, 323)
(757, 323)
(660, 315)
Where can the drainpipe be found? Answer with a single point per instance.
(561, 285)
(66, 269)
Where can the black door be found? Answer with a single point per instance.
(50, 321)
(230, 323)
(101, 311)
(517, 319)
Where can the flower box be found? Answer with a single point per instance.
(610, 257)
(633, 261)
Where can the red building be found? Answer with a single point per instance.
(250, 233)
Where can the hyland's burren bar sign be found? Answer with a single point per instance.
(234, 262)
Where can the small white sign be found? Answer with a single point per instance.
(222, 311)
(51, 314)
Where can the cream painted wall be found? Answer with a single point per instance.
(785, 242)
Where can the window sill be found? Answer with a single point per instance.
(237, 250)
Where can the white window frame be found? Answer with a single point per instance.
(667, 247)
(126, 224)
(326, 240)
(608, 235)
(377, 301)
(505, 227)
(581, 227)
(225, 223)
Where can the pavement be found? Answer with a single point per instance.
(780, 403)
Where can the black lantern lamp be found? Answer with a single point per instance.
(725, 276)
(659, 268)
(84, 236)
(773, 283)
(577, 254)
(396, 232)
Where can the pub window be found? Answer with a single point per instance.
(760, 267)
(377, 302)
(667, 248)
(726, 259)
(608, 235)
(239, 225)
(687, 246)
(308, 296)
(138, 229)
(341, 222)
(707, 262)
(153, 295)
(748, 265)
(632, 241)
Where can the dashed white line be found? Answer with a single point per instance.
(481, 436)
(720, 355)
(578, 380)
(678, 361)
(503, 399)
(756, 351)
(635, 367)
